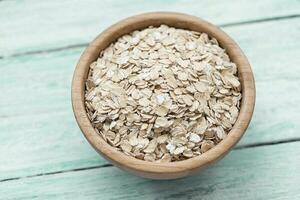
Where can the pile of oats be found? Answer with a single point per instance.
(163, 94)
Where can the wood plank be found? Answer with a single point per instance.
(43, 143)
(40, 83)
(269, 172)
(33, 25)
(41, 134)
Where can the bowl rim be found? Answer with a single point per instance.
(178, 168)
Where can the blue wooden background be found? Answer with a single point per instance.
(43, 154)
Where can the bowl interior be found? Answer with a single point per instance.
(153, 169)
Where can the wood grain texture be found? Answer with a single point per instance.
(35, 101)
(34, 25)
(41, 134)
(156, 170)
(263, 173)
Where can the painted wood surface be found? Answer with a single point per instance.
(34, 25)
(41, 134)
(43, 155)
(269, 172)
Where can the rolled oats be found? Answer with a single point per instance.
(163, 94)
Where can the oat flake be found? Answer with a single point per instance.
(163, 94)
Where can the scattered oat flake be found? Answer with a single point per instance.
(161, 111)
(150, 157)
(194, 138)
(161, 122)
(165, 159)
(171, 148)
(126, 147)
(144, 102)
(182, 76)
(188, 100)
(162, 139)
(160, 99)
(151, 146)
(178, 150)
(206, 145)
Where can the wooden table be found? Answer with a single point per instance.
(43, 154)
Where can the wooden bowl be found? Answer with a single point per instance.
(152, 169)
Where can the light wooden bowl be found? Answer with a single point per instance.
(151, 169)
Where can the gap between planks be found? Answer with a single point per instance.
(110, 165)
(286, 17)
